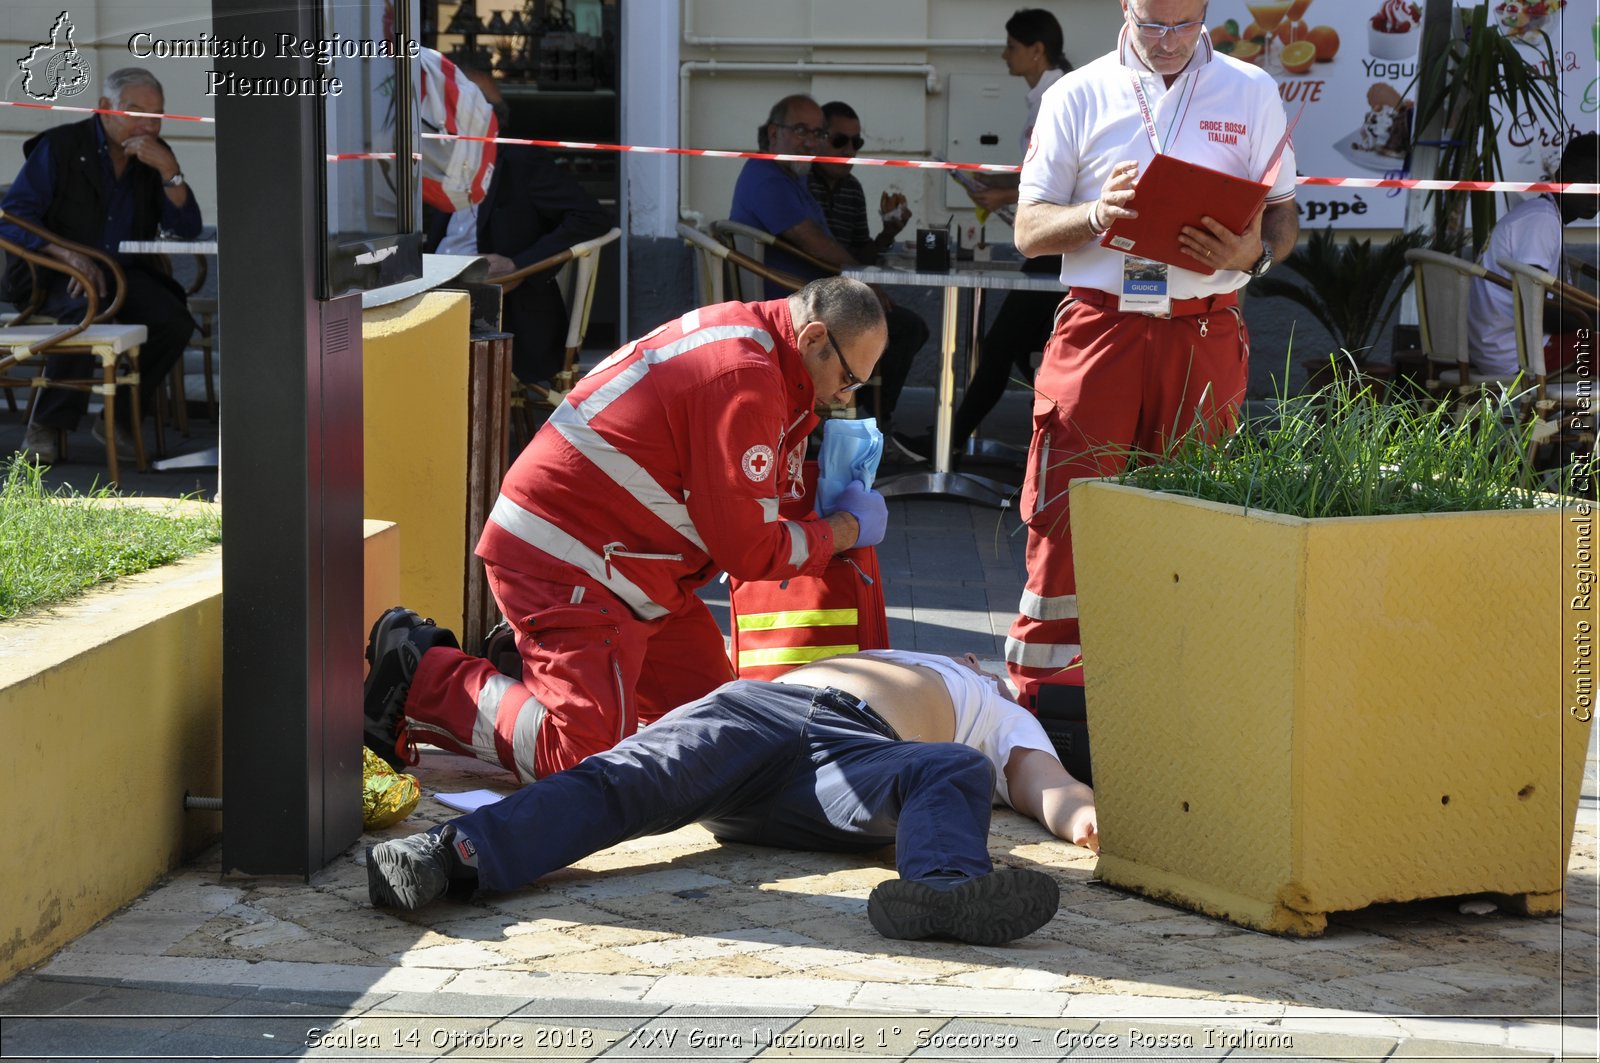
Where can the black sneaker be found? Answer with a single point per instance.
(394, 649)
(410, 872)
(987, 910)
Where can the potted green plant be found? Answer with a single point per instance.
(1326, 664)
(1352, 290)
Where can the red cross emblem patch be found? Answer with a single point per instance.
(757, 462)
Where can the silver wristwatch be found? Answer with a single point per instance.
(1263, 263)
(175, 181)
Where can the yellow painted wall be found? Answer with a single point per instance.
(111, 707)
(414, 377)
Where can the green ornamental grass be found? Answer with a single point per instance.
(1341, 452)
(55, 544)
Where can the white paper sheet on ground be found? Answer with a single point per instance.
(468, 801)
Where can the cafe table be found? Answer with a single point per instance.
(975, 278)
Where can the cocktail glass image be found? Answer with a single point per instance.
(1269, 16)
(1297, 10)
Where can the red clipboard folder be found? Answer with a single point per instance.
(1172, 193)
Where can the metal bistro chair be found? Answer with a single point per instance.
(753, 243)
(115, 346)
(720, 264)
(1549, 401)
(1442, 286)
(577, 290)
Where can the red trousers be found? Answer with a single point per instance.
(1110, 383)
(591, 673)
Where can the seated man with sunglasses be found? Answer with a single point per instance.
(839, 193)
(772, 196)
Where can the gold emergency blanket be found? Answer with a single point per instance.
(387, 797)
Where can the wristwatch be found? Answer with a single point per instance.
(175, 181)
(1263, 263)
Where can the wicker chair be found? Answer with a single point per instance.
(720, 267)
(753, 244)
(577, 288)
(1442, 286)
(26, 345)
(1550, 403)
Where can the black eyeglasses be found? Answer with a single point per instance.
(1155, 31)
(808, 132)
(840, 140)
(854, 383)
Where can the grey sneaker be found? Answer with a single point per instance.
(410, 872)
(988, 910)
(41, 444)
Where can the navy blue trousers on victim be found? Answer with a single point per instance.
(761, 763)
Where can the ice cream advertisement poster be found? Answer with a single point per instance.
(1349, 64)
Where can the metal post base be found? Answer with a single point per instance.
(962, 485)
(995, 450)
(204, 458)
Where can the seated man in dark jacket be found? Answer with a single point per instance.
(99, 182)
(530, 211)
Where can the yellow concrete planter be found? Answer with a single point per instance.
(111, 707)
(1294, 717)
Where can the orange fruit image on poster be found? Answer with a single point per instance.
(1298, 57)
(1247, 51)
(1326, 40)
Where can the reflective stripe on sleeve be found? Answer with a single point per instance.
(1038, 607)
(618, 385)
(799, 548)
(536, 531)
(1040, 654)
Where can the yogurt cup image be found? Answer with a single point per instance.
(1395, 31)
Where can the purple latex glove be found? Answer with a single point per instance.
(868, 508)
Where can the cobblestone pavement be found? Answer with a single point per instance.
(677, 947)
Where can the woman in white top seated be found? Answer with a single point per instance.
(847, 754)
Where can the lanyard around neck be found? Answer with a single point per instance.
(1148, 115)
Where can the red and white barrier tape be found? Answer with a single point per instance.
(1419, 184)
(102, 110)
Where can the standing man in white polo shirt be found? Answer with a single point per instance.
(1115, 377)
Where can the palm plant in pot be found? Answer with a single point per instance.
(1351, 289)
(1305, 695)
(1480, 81)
